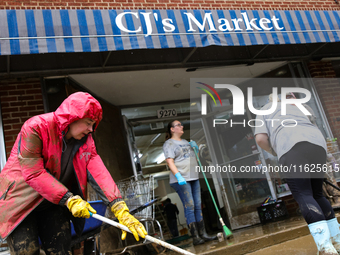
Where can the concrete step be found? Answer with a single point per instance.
(259, 242)
(261, 238)
(300, 246)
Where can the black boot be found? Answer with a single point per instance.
(194, 233)
(203, 234)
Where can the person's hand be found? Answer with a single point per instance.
(79, 207)
(121, 211)
(180, 179)
(193, 145)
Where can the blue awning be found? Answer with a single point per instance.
(53, 31)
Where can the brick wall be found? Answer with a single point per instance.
(20, 100)
(172, 4)
(328, 91)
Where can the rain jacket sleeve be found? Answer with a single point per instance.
(101, 180)
(32, 165)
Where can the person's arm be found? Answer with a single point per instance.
(99, 177)
(101, 181)
(169, 153)
(172, 166)
(261, 136)
(34, 173)
(174, 170)
(312, 117)
(263, 141)
(33, 167)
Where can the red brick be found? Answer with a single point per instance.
(24, 86)
(28, 108)
(8, 99)
(5, 104)
(9, 144)
(19, 114)
(24, 119)
(6, 87)
(16, 92)
(25, 97)
(18, 126)
(12, 121)
(13, 132)
(33, 91)
(11, 109)
(6, 115)
(34, 102)
(20, 103)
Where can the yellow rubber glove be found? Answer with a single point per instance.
(79, 207)
(121, 211)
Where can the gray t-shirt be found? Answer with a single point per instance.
(184, 158)
(282, 138)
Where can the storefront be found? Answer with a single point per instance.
(138, 53)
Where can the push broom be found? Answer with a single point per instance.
(147, 237)
(225, 228)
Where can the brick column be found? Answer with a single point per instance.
(328, 90)
(20, 100)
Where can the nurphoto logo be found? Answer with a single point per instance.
(239, 99)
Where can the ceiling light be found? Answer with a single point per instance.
(177, 85)
(52, 90)
(281, 72)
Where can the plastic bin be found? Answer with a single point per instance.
(272, 212)
(92, 223)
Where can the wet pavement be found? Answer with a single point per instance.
(286, 237)
(300, 246)
(290, 236)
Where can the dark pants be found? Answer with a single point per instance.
(307, 189)
(172, 224)
(51, 225)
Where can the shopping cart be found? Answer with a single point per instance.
(137, 191)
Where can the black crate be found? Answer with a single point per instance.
(272, 212)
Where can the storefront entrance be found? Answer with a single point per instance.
(237, 148)
(237, 195)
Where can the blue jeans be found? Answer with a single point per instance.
(190, 195)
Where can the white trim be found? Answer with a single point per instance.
(166, 34)
(2, 144)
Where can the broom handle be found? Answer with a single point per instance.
(147, 237)
(211, 194)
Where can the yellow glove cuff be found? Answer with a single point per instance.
(71, 201)
(118, 208)
(79, 207)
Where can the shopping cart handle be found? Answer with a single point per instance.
(138, 209)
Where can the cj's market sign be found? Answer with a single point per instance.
(195, 23)
(58, 31)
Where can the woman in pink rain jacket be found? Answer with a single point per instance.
(51, 162)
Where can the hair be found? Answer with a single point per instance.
(168, 130)
(168, 200)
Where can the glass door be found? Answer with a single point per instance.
(238, 162)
